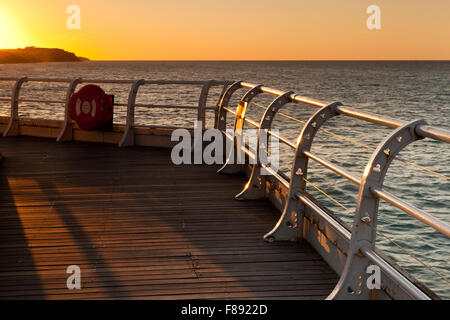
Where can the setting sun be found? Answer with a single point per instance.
(129, 130)
(10, 34)
(205, 30)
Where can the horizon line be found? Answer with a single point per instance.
(271, 60)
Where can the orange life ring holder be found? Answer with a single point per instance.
(91, 108)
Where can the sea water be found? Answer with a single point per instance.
(403, 90)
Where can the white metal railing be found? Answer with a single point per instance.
(128, 137)
(362, 238)
(363, 235)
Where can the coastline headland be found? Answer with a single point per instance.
(34, 54)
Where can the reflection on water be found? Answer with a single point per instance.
(406, 90)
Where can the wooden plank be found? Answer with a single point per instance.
(139, 227)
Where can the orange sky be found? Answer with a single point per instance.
(231, 29)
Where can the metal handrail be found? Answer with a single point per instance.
(426, 218)
(65, 134)
(165, 106)
(424, 130)
(126, 81)
(364, 225)
(41, 101)
(417, 130)
(280, 138)
(342, 172)
(399, 279)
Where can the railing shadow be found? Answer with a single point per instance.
(15, 249)
(157, 219)
(17, 264)
(82, 238)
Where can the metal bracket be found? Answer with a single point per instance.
(290, 224)
(366, 216)
(66, 131)
(234, 160)
(256, 186)
(13, 125)
(128, 135)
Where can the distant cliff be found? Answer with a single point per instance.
(33, 54)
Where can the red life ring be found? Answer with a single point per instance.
(91, 108)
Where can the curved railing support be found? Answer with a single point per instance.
(13, 125)
(224, 102)
(128, 135)
(235, 161)
(256, 186)
(66, 131)
(290, 224)
(201, 116)
(218, 103)
(352, 284)
(221, 121)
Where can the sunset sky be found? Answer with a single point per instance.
(232, 29)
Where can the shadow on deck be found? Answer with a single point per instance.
(139, 227)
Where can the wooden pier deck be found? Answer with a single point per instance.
(139, 227)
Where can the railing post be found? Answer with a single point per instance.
(352, 284)
(201, 113)
(66, 131)
(13, 125)
(256, 186)
(290, 225)
(234, 162)
(128, 135)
